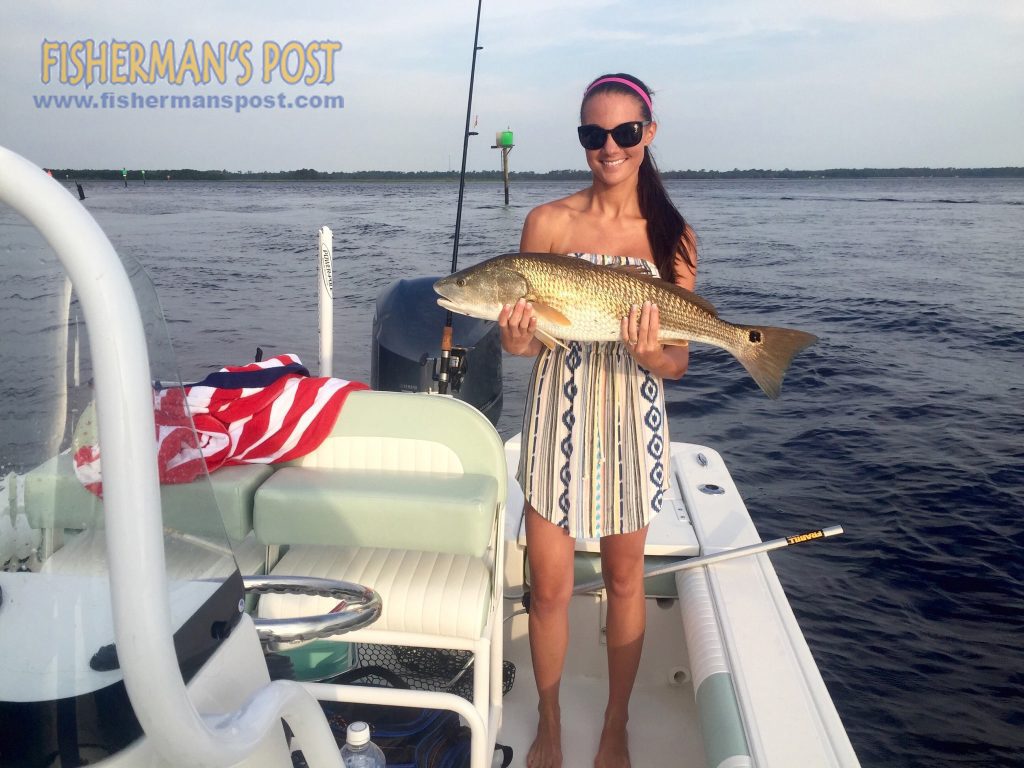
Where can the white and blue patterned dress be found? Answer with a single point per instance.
(594, 456)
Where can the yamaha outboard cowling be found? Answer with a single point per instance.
(407, 327)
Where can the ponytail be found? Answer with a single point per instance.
(671, 238)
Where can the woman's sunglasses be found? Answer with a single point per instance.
(626, 135)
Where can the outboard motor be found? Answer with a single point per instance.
(407, 328)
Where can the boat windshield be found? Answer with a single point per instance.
(59, 673)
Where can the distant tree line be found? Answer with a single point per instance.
(850, 173)
(309, 174)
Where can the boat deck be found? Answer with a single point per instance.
(664, 725)
(733, 638)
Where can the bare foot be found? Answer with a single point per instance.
(546, 750)
(613, 751)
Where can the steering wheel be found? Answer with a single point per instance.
(358, 606)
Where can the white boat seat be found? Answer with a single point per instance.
(55, 498)
(435, 512)
(85, 553)
(431, 593)
(406, 496)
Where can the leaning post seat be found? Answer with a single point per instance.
(406, 496)
(54, 499)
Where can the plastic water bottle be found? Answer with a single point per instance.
(359, 751)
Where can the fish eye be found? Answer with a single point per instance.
(461, 282)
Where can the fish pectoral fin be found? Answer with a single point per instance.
(675, 342)
(549, 313)
(548, 340)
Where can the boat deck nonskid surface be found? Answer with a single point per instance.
(664, 728)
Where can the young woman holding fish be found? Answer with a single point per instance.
(595, 442)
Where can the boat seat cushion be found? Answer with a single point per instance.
(434, 512)
(422, 592)
(85, 552)
(54, 498)
(234, 489)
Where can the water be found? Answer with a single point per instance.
(903, 423)
(358, 751)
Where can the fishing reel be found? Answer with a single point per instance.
(447, 372)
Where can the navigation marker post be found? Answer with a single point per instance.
(503, 141)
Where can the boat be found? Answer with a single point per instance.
(149, 627)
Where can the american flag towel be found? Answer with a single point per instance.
(260, 413)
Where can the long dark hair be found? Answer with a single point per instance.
(668, 233)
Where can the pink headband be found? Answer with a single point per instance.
(623, 81)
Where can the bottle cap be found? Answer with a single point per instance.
(358, 733)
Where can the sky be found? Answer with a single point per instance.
(799, 84)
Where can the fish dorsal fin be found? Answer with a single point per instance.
(633, 270)
(637, 270)
(547, 312)
(693, 298)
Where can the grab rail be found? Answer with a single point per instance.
(138, 583)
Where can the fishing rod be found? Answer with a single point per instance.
(695, 562)
(447, 363)
(596, 585)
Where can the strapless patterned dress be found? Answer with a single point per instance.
(594, 456)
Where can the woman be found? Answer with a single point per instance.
(594, 458)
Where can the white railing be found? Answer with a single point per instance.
(176, 730)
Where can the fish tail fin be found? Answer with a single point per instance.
(767, 352)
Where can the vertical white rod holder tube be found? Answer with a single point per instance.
(325, 280)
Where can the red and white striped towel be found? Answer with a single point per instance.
(260, 413)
